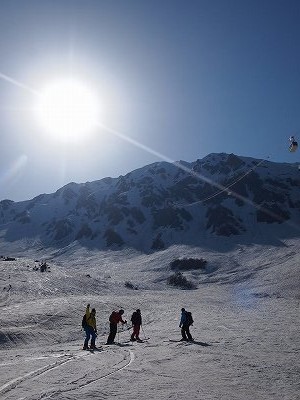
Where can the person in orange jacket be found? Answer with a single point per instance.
(114, 319)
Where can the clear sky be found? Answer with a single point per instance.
(174, 80)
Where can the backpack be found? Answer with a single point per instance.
(136, 318)
(112, 317)
(84, 323)
(189, 318)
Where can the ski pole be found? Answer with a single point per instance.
(128, 327)
(143, 332)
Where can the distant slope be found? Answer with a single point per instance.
(163, 204)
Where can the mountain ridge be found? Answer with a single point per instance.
(162, 204)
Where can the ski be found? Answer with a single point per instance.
(100, 348)
(123, 344)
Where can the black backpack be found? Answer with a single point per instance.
(189, 318)
(136, 318)
(84, 323)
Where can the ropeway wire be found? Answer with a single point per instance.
(225, 189)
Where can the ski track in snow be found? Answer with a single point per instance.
(14, 382)
(91, 381)
(75, 383)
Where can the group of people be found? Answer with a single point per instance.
(116, 317)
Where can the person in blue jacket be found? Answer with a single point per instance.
(185, 323)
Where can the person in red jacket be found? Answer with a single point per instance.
(114, 319)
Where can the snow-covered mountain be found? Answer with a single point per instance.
(220, 196)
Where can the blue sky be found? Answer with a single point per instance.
(178, 79)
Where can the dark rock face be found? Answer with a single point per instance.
(113, 238)
(222, 221)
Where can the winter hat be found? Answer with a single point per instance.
(121, 312)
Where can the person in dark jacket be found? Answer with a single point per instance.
(114, 319)
(185, 326)
(90, 328)
(136, 320)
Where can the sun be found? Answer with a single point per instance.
(67, 110)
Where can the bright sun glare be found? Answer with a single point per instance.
(67, 110)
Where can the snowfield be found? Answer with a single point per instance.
(246, 329)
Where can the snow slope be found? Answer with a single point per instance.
(246, 329)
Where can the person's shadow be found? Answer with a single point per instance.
(200, 343)
(189, 342)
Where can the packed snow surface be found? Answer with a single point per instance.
(246, 325)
